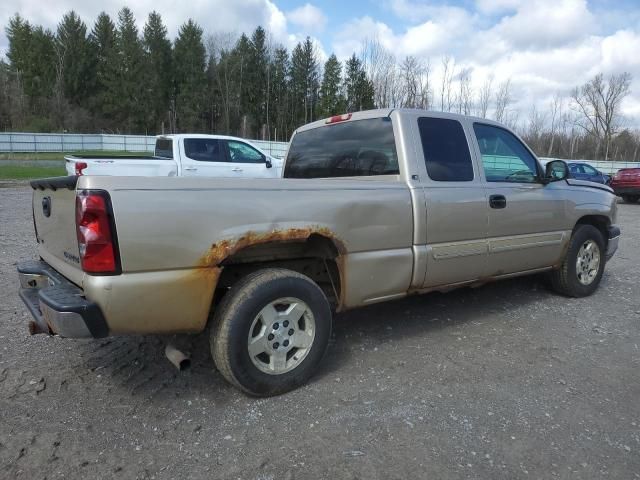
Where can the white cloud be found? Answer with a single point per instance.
(544, 46)
(349, 39)
(496, 6)
(308, 17)
(545, 23)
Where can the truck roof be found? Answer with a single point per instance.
(178, 136)
(385, 112)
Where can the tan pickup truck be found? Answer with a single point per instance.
(373, 206)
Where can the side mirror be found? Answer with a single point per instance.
(267, 162)
(556, 170)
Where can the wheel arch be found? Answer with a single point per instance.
(316, 254)
(601, 222)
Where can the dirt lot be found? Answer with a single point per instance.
(502, 382)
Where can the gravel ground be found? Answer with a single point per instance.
(501, 382)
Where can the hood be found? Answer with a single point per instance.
(586, 183)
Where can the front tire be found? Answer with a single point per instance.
(271, 331)
(581, 270)
(630, 198)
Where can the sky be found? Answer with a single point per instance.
(546, 47)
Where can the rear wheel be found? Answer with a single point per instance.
(271, 331)
(630, 198)
(583, 265)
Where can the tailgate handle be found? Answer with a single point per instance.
(497, 201)
(46, 206)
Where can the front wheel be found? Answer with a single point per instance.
(271, 331)
(581, 270)
(630, 198)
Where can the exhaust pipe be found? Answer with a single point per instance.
(178, 358)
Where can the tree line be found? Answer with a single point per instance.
(116, 79)
(113, 78)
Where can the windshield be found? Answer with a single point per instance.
(350, 149)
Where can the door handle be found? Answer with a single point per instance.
(190, 169)
(236, 169)
(497, 201)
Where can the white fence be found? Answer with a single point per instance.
(67, 142)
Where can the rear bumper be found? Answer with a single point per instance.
(58, 306)
(614, 238)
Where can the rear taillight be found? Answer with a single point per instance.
(80, 166)
(96, 233)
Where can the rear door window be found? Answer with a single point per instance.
(205, 150)
(350, 149)
(446, 152)
(164, 148)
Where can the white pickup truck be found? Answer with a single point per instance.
(189, 155)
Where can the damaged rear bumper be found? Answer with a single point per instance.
(58, 306)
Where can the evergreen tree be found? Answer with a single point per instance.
(102, 40)
(331, 98)
(359, 89)
(190, 77)
(75, 57)
(159, 70)
(304, 82)
(40, 76)
(19, 33)
(32, 57)
(279, 93)
(258, 80)
(125, 97)
(240, 62)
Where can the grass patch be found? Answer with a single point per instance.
(11, 172)
(61, 155)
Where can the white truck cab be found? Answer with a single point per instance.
(184, 155)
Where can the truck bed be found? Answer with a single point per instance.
(129, 165)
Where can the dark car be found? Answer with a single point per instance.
(584, 171)
(626, 184)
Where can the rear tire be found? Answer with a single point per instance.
(630, 198)
(271, 331)
(581, 270)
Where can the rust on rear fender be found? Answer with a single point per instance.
(225, 248)
(218, 252)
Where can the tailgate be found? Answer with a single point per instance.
(54, 213)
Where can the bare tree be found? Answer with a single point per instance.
(218, 46)
(465, 92)
(446, 96)
(484, 97)
(598, 103)
(555, 109)
(503, 99)
(426, 92)
(416, 83)
(535, 128)
(58, 99)
(380, 67)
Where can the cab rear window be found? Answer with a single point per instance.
(164, 148)
(351, 149)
